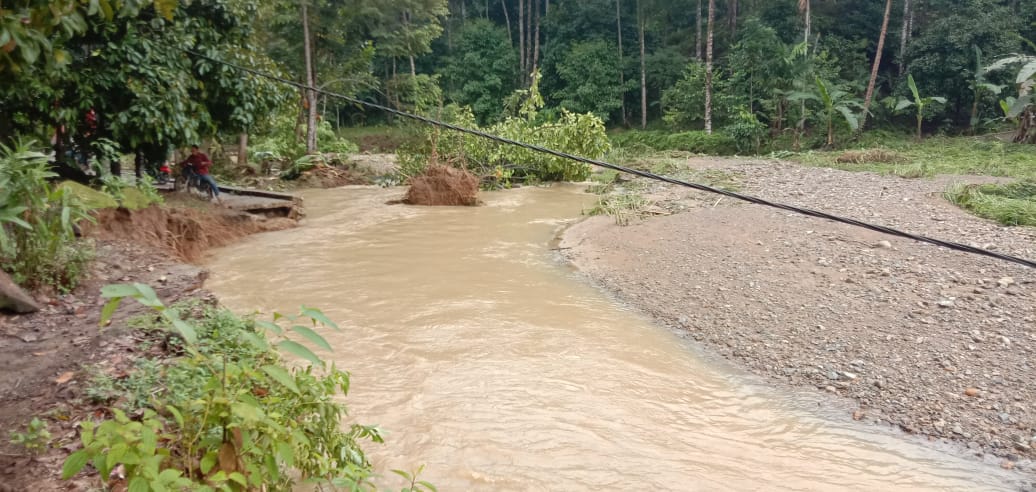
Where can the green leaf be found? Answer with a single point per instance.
(177, 416)
(286, 454)
(74, 463)
(208, 461)
(238, 478)
(300, 351)
(318, 315)
(312, 336)
(282, 376)
(139, 484)
(1026, 72)
(903, 104)
(268, 326)
(185, 330)
(119, 290)
(148, 441)
(913, 87)
(427, 485)
(246, 411)
(109, 309)
(147, 296)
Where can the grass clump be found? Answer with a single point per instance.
(624, 207)
(903, 157)
(1011, 204)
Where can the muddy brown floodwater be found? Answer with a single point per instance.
(498, 367)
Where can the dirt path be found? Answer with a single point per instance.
(935, 342)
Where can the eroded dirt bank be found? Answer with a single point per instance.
(935, 342)
(46, 357)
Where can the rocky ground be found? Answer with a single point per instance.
(935, 342)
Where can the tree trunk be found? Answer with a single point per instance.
(920, 117)
(708, 68)
(311, 95)
(622, 74)
(528, 38)
(242, 149)
(521, 42)
(138, 164)
(697, 33)
(733, 19)
(643, 72)
(413, 68)
(904, 37)
(874, 69)
(536, 40)
(507, 20)
(804, 7)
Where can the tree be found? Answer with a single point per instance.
(980, 85)
(311, 82)
(708, 68)
(588, 72)
(482, 69)
(622, 75)
(147, 93)
(1023, 107)
(641, 21)
(919, 103)
(832, 100)
(877, 63)
(941, 54)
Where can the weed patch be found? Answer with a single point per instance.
(1011, 204)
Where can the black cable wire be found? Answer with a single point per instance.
(636, 172)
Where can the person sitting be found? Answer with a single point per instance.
(198, 164)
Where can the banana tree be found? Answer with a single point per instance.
(834, 101)
(1023, 107)
(920, 103)
(980, 84)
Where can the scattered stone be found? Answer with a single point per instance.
(971, 392)
(859, 415)
(1005, 282)
(946, 303)
(832, 375)
(884, 244)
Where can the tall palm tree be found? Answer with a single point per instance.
(877, 62)
(708, 68)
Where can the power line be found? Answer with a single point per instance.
(636, 172)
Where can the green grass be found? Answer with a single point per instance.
(1012, 204)
(983, 156)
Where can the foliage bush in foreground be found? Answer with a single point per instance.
(230, 414)
(38, 244)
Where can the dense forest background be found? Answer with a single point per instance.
(102, 76)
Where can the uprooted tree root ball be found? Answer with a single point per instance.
(443, 185)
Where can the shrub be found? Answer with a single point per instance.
(692, 141)
(230, 413)
(38, 243)
(578, 134)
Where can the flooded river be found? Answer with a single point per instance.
(495, 365)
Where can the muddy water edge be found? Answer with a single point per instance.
(487, 359)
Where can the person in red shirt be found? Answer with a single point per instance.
(199, 163)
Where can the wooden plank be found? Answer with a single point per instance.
(234, 190)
